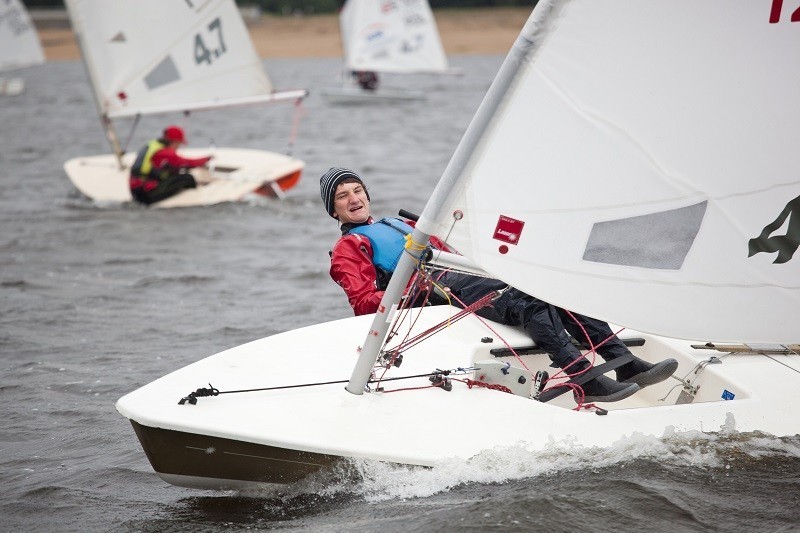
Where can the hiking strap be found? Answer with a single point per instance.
(592, 373)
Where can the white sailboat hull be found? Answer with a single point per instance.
(282, 435)
(355, 95)
(237, 173)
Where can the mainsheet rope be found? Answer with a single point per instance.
(421, 286)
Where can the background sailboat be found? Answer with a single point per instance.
(19, 45)
(386, 37)
(150, 57)
(657, 194)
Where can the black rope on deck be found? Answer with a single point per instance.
(191, 398)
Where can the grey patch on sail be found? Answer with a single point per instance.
(164, 73)
(658, 240)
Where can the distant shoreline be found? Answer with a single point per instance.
(476, 31)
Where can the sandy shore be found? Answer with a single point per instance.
(473, 31)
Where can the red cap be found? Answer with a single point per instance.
(174, 134)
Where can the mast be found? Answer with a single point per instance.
(108, 125)
(380, 324)
(450, 179)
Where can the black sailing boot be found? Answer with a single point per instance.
(605, 389)
(643, 373)
(600, 388)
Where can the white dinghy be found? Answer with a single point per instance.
(19, 45)
(146, 57)
(620, 166)
(386, 37)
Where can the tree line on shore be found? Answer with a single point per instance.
(287, 7)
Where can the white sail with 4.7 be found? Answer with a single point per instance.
(148, 56)
(151, 57)
(19, 44)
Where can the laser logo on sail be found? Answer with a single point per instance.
(508, 229)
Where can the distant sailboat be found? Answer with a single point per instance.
(147, 57)
(19, 45)
(386, 36)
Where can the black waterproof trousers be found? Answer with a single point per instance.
(167, 187)
(546, 324)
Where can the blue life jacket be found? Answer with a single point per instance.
(388, 239)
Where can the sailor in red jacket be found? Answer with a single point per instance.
(159, 172)
(353, 260)
(363, 259)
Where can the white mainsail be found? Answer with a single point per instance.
(398, 36)
(151, 56)
(19, 42)
(636, 162)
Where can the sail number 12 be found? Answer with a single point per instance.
(202, 54)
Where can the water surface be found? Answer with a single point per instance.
(97, 300)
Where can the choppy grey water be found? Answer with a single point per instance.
(98, 300)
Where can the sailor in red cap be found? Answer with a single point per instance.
(159, 172)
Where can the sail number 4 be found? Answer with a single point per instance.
(775, 12)
(203, 54)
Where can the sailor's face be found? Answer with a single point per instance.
(350, 203)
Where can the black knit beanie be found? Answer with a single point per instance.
(330, 180)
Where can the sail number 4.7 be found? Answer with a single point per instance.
(204, 54)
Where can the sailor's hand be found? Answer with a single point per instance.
(202, 175)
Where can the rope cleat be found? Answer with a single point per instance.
(438, 380)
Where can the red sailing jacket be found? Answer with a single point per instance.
(165, 158)
(169, 157)
(353, 270)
